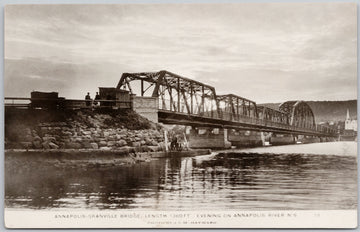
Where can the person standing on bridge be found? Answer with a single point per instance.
(88, 99)
(97, 97)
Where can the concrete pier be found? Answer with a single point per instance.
(219, 138)
(279, 139)
(242, 138)
(309, 139)
(213, 138)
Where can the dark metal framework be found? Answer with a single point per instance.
(234, 108)
(272, 115)
(299, 113)
(176, 93)
(189, 102)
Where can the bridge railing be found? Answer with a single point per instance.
(19, 102)
(60, 103)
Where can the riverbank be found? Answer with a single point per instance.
(81, 129)
(91, 156)
(341, 148)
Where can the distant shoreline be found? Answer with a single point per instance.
(340, 148)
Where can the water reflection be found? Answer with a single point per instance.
(226, 181)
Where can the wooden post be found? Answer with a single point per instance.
(186, 142)
(166, 141)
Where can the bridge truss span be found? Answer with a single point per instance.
(300, 114)
(234, 108)
(175, 93)
(188, 102)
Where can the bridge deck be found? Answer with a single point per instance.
(244, 123)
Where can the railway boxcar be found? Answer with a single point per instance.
(46, 100)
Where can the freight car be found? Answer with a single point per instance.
(46, 100)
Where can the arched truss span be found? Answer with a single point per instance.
(300, 114)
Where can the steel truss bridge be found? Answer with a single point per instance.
(184, 101)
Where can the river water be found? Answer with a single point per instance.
(229, 180)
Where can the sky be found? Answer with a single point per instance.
(266, 52)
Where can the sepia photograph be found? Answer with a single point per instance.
(236, 115)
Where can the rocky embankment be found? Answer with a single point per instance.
(122, 130)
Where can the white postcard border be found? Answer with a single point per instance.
(180, 219)
(326, 218)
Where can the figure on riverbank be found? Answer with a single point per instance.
(175, 145)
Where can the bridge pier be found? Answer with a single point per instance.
(323, 139)
(309, 139)
(204, 137)
(246, 138)
(330, 139)
(282, 139)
